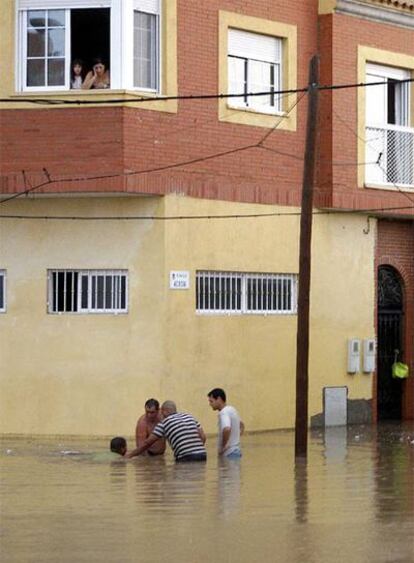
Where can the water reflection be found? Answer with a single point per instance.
(301, 490)
(228, 486)
(335, 439)
(351, 501)
(163, 485)
(394, 485)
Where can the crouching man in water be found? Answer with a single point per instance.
(183, 432)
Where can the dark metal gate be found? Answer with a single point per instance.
(390, 339)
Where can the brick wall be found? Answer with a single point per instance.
(112, 141)
(339, 37)
(94, 141)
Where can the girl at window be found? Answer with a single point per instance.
(77, 74)
(98, 77)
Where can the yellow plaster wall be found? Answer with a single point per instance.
(79, 374)
(253, 357)
(90, 374)
(8, 67)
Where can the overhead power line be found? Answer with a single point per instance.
(144, 99)
(202, 217)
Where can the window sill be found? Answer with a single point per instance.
(256, 117)
(257, 111)
(389, 187)
(127, 97)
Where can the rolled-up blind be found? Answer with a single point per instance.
(254, 46)
(147, 6)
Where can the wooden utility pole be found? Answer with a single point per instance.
(302, 340)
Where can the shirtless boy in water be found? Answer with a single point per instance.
(145, 425)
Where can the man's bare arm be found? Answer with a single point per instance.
(147, 444)
(242, 428)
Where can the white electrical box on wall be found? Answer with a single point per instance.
(369, 355)
(354, 355)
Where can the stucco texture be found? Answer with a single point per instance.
(91, 373)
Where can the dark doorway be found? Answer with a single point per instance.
(390, 342)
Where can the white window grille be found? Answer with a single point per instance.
(54, 33)
(88, 291)
(246, 293)
(2, 291)
(254, 65)
(388, 134)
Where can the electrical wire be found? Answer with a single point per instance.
(202, 217)
(143, 99)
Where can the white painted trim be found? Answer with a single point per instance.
(59, 4)
(121, 40)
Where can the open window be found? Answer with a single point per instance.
(125, 34)
(388, 133)
(52, 39)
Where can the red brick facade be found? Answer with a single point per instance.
(116, 141)
(339, 37)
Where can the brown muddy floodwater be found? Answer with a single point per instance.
(64, 500)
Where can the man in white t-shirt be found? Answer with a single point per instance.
(230, 427)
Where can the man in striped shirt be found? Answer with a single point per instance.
(183, 432)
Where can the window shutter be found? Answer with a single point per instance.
(147, 6)
(254, 46)
(56, 4)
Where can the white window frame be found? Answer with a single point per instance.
(241, 52)
(153, 8)
(244, 279)
(384, 140)
(388, 72)
(121, 40)
(3, 275)
(24, 42)
(90, 308)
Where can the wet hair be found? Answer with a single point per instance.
(152, 403)
(118, 444)
(81, 64)
(217, 393)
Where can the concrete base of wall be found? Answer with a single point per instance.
(359, 412)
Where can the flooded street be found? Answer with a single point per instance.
(67, 501)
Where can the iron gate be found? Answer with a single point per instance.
(390, 339)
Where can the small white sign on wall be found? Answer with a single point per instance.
(179, 280)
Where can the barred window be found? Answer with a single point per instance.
(246, 293)
(88, 291)
(2, 291)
